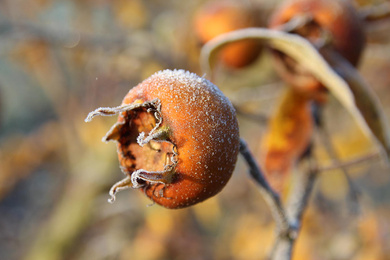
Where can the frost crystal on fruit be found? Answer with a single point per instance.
(177, 138)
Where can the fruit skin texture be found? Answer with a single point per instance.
(216, 18)
(199, 133)
(335, 18)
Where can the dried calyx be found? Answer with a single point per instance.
(139, 131)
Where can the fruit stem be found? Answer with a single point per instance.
(270, 196)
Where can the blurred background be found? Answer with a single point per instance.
(61, 59)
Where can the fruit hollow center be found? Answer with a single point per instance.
(313, 32)
(154, 155)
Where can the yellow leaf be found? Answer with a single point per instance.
(287, 137)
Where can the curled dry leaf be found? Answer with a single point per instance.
(287, 138)
(303, 52)
(177, 138)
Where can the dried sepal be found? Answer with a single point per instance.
(157, 133)
(112, 111)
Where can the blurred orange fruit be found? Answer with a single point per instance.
(219, 17)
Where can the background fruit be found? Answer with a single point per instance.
(331, 24)
(216, 18)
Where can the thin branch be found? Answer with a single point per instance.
(297, 204)
(270, 196)
(339, 164)
(330, 149)
(289, 221)
(299, 199)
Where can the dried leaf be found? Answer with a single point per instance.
(287, 137)
(366, 100)
(304, 53)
